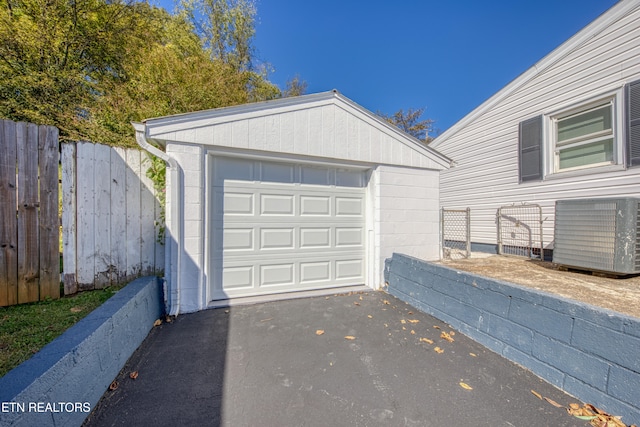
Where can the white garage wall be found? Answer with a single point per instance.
(406, 213)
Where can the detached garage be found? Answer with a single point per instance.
(299, 194)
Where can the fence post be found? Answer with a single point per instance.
(468, 234)
(69, 243)
(9, 222)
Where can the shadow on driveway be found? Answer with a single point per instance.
(269, 365)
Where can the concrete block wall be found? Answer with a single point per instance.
(407, 212)
(61, 384)
(589, 352)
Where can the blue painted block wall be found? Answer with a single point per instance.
(78, 366)
(591, 353)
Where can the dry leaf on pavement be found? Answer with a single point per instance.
(446, 336)
(466, 386)
(320, 332)
(536, 394)
(133, 375)
(427, 340)
(350, 337)
(157, 322)
(113, 385)
(438, 350)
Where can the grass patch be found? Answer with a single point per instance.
(26, 328)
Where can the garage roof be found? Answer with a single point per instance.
(325, 124)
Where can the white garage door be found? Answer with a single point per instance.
(281, 227)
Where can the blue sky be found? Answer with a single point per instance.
(447, 56)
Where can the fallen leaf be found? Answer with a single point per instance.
(226, 311)
(266, 320)
(413, 332)
(356, 303)
(553, 402)
(113, 385)
(349, 337)
(75, 309)
(475, 355)
(586, 417)
(446, 336)
(411, 312)
(466, 386)
(536, 394)
(574, 406)
(452, 333)
(168, 319)
(133, 375)
(386, 325)
(436, 327)
(413, 321)
(361, 298)
(386, 302)
(320, 332)
(438, 350)
(403, 321)
(427, 340)
(157, 322)
(369, 316)
(404, 328)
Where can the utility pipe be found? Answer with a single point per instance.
(174, 170)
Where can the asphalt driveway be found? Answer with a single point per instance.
(363, 359)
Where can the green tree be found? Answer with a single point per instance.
(54, 56)
(410, 122)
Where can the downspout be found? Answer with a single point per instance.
(174, 170)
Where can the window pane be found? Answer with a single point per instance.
(597, 152)
(585, 123)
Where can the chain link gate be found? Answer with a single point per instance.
(455, 233)
(520, 231)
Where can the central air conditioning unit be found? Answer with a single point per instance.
(598, 235)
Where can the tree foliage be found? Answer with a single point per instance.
(411, 122)
(90, 67)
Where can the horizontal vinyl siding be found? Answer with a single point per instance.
(485, 175)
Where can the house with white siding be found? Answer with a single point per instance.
(567, 128)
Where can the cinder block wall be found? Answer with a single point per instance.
(589, 352)
(73, 371)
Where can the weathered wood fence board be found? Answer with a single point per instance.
(29, 268)
(109, 207)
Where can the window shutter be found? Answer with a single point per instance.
(632, 92)
(530, 149)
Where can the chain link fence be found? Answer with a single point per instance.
(455, 233)
(520, 231)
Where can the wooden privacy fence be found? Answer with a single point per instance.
(29, 225)
(108, 217)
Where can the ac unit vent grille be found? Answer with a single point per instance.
(598, 234)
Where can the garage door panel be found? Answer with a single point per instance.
(349, 236)
(277, 275)
(315, 271)
(277, 204)
(315, 205)
(234, 169)
(319, 237)
(237, 204)
(288, 228)
(238, 239)
(348, 269)
(277, 238)
(238, 278)
(280, 173)
(349, 206)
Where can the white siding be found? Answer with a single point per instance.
(485, 151)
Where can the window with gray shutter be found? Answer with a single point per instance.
(530, 149)
(632, 91)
